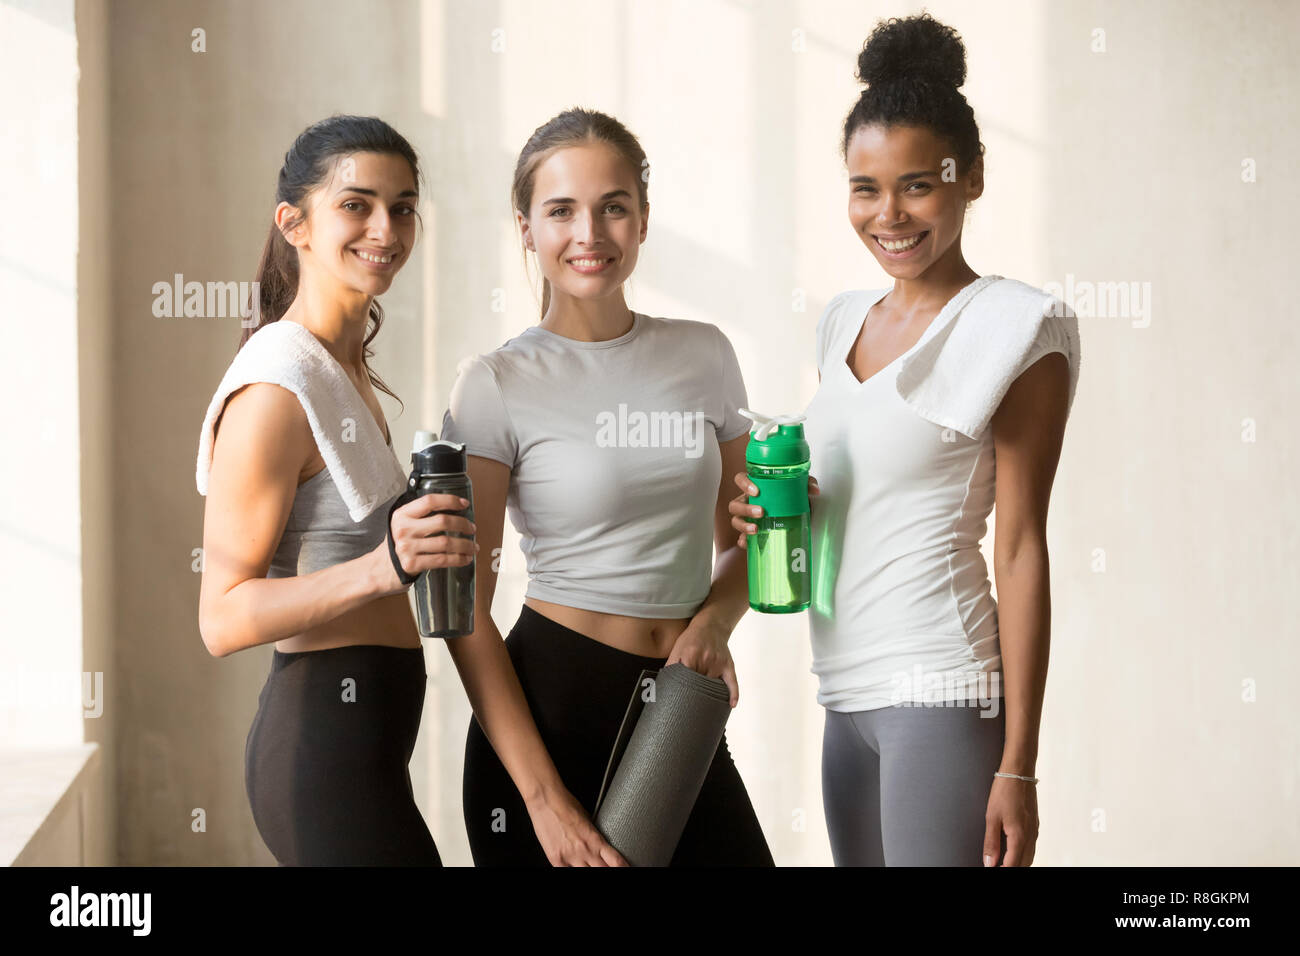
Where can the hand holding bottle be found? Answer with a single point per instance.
(742, 512)
(420, 537)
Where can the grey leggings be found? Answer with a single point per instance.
(909, 786)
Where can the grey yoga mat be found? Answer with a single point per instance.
(661, 756)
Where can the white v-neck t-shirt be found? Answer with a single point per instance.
(902, 605)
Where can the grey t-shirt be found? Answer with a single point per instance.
(613, 451)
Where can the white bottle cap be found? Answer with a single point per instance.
(423, 440)
(764, 426)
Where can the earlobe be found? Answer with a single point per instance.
(292, 236)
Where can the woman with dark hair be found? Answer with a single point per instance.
(933, 692)
(299, 480)
(618, 525)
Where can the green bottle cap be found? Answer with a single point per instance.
(775, 442)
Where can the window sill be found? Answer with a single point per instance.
(43, 804)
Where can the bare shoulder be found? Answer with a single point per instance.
(1046, 381)
(263, 422)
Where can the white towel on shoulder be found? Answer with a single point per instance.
(979, 344)
(366, 470)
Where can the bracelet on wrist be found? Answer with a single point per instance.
(1016, 776)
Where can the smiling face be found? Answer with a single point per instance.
(361, 225)
(585, 222)
(899, 203)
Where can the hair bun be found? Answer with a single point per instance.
(917, 48)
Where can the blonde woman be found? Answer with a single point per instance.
(619, 532)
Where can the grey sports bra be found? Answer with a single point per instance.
(320, 533)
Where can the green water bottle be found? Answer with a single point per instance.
(780, 579)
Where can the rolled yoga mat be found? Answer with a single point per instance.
(663, 752)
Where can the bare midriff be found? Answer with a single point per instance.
(644, 636)
(386, 620)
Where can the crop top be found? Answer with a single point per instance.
(320, 533)
(613, 452)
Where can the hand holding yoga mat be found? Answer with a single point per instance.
(662, 755)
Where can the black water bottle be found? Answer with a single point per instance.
(444, 597)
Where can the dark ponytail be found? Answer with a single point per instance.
(913, 68)
(307, 166)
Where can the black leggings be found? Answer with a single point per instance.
(325, 763)
(578, 690)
